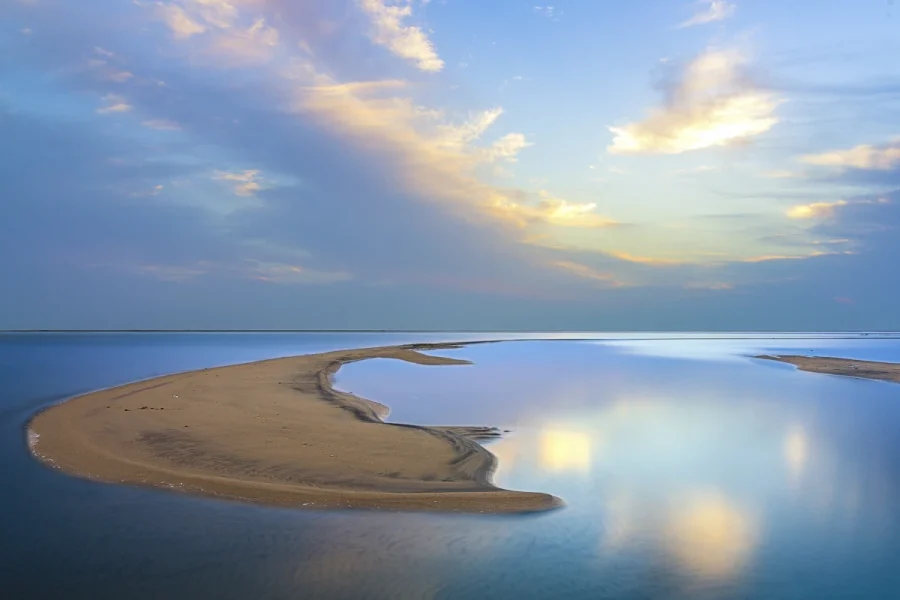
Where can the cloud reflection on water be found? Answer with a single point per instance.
(671, 473)
(562, 450)
(796, 449)
(710, 535)
(684, 476)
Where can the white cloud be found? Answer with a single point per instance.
(457, 136)
(230, 34)
(253, 44)
(246, 183)
(557, 211)
(550, 210)
(883, 158)
(712, 105)
(114, 104)
(715, 10)
(506, 148)
(179, 22)
(439, 158)
(218, 13)
(406, 41)
(815, 210)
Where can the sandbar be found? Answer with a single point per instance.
(276, 432)
(847, 367)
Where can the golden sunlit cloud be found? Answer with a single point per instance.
(565, 451)
(816, 210)
(557, 211)
(406, 41)
(440, 157)
(710, 536)
(712, 106)
(868, 157)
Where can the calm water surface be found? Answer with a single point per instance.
(689, 471)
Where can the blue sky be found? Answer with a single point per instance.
(449, 164)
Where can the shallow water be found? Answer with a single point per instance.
(688, 469)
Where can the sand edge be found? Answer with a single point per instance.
(58, 437)
(845, 367)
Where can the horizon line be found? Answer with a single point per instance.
(722, 331)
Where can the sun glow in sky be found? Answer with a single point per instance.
(326, 163)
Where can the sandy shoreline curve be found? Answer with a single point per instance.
(276, 432)
(848, 367)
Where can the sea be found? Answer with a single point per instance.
(689, 470)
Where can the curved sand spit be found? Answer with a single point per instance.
(276, 432)
(864, 369)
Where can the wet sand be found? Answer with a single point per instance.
(842, 366)
(276, 432)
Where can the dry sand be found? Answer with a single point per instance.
(842, 366)
(276, 432)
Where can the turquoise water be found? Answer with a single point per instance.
(689, 471)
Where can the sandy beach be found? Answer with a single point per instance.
(842, 366)
(276, 432)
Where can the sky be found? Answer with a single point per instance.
(450, 164)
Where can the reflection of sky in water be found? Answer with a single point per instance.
(739, 349)
(716, 476)
(701, 478)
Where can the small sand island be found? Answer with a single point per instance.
(276, 432)
(842, 366)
